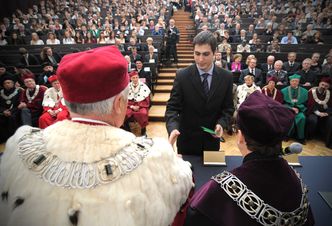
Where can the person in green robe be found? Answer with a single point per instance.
(295, 97)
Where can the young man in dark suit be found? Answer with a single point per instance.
(201, 96)
(291, 66)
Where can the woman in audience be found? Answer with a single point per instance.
(51, 39)
(35, 39)
(78, 38)
(68, 39)
(90, 38)
(228, 56)
(236, 65)
(3, 41)
(102, 39)
(112, 37)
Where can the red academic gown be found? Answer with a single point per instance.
(46, 119)
(34, 105)
(316, 124)
(53, 100)
(142, 115)
(276, 96)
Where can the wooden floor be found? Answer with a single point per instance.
(312, 148)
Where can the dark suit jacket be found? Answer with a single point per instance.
(188, 108)
(147, 76)
(264, 67)
(258, 76)
(309, 76)
(56, 57)
(289, 69)
(32, 60)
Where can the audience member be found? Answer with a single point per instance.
(266, 67)
(295, 97)
(54, 106)
(26, 58)
(254, 71)
(247, 88)
(291, 66)
(270, 89)
(289, 39)
(308, 76)
(278, 73)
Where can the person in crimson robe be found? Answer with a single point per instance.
(31, 101)
(54, 106)
(138, 101)
(9, 114)
(319, 113)
(270, 89)
(257, 186)
(295, 97)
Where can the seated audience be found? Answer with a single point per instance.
(308, 76)
(35, 39)
(278, 73)
(31, 101)
(243, 47)
(138, 101)
(254, 71)
(291, 66)
(266, 67)
(48, 70)
(9, 114)
(247, 88)
(295, 98)
(52, 40)
(236, 65)
(289, 39)
(270, 89)
(47, 55)
(315, 63)
(319, 113)
(26, 58)
(54, 106)
(144, 76)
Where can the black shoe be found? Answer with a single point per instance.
(143, 132)
(302, 141)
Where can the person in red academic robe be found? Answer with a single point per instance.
(271, 90)
(254, 193)
(31, 101)
(54, 105)
(319, 113)
(138, 101)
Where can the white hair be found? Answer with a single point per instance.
(103, 107)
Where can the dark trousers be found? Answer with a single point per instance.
(320, 126)
(29, 117)
(8, 127)
(171, 49)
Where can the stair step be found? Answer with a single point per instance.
(160, 98)
(182, 65)
(186, 55)
(188, 60)
(157, 113)
(163, 81)
(163, 88)
(167, 73)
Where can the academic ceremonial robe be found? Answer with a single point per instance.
(9, 100)
(296, 98)
(89, 174)
(139, 96)
(34, 99)
(320, 102)
(189, 108)
(267, 177)
(275, 94)
(53, 100)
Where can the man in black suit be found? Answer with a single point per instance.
(269, 65)
(28, 59)
(253, 70)
(291, 66)
(201, 96)
(143, 75)
(308, 76)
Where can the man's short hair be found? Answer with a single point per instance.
(206, 37)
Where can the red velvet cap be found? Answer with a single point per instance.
(264, 120)
(272, 78)
(133, 73)
(52, 78)
(94, 75)
(28, 76)
(326, 80)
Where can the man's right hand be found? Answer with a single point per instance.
(173, 136)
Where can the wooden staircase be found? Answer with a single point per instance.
(167, 74)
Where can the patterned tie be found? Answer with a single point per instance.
(205, 84)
